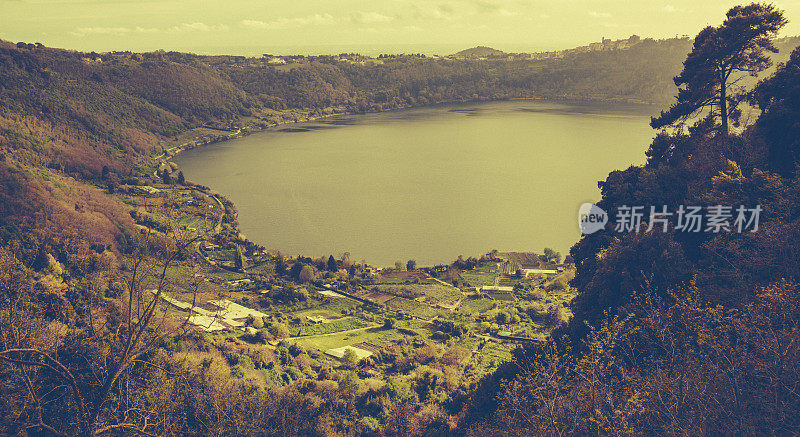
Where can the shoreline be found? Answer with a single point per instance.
(244, 131)
(248, 130)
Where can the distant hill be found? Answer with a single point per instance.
(479, 52)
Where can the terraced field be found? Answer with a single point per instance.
(412, 307)
(343, 324)
(480, 276)
(434, 293)
(476, 306)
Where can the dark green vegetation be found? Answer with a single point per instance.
(679, 332)
(673, 333)
(721, 55)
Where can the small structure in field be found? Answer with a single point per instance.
(339, 352)
(497, 292)
(141, 190)
(496, 288)
(528, 272)
(234, 311)
(206, 323)
(316, 319)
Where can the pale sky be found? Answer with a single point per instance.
(252, 27)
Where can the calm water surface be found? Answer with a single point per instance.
(425, 184)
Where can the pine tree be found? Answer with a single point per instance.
(720, 58)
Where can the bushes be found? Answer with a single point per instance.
(672, 366)
(554, 316)
(278, 330)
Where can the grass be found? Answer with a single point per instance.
(436, 292)
(412, 307)
(376, 335)
(398, 281)
(476, 306)
(182, 280)
(506, 281)
(321, 312)
(481, 275)
(492, 355)
(343, 324)
(197, 222)
(221, 255)
(263, 268)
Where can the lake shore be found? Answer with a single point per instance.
(345, 196)
(253, 128)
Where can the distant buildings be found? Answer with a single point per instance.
(605, 44)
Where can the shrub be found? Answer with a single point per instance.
(237, 371)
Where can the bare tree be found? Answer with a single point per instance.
(99, 387)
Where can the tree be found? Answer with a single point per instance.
(411, 265)
(779, 99)
(552, 256)
(280, 265)
(181, 178)
(720, 58)
(388, 323)
(332, 265)
(165, 177)
(350, 359)
(306, 274)
(278, 330)
(398, 265)
(239, 258)
(92, 364)
(297, 267)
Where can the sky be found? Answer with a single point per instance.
(253, 27)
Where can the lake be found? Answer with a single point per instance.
(427, 184)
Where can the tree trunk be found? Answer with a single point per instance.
(723, 102)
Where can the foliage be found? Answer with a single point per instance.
(737, 46)
(670, 366)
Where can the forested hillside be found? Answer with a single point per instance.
(679, 331)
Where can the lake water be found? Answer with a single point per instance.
(427, 184)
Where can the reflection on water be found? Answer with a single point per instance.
(425, 184)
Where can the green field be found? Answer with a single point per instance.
(376, 335)
(476, 306)
(221, 255)
(436, 291)
(412, 307)
(343, 324)
(480, 276)
(199, 223)
(182, 280)
(398, 281)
